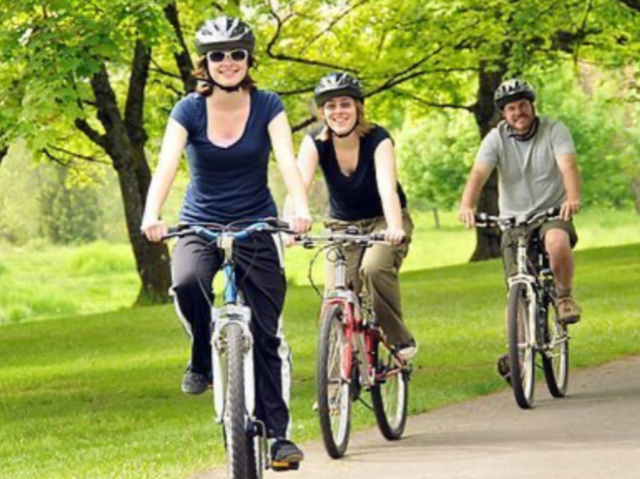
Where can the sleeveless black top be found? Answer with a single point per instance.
(354, 197)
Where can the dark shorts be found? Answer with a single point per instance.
(510, 241)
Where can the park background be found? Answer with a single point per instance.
(91, 355)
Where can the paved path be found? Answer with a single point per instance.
(592, 434)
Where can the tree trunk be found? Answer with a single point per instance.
(486, 115)
(436, 217)
(635, 187)
(124, 141)
(4, 149)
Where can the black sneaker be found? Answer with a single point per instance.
(283, 450)
(195, 383)
(406, 350)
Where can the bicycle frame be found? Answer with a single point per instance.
(232, 311)
(355, 325)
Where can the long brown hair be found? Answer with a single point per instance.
(205, 88)
(362, 128)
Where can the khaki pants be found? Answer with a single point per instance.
(510, 242)
(376, 267)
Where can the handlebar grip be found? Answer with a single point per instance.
(376, 237)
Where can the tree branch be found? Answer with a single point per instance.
(134, 107)
(303, 124)
(333, 23)
(90, 133)
(55, 159)
(305, 61)
(633, 4)
(92, 159)
(299, 91)
(182, 58)
(432, 104)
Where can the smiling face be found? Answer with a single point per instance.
(228, 71)
(341, 114)
(519, 115)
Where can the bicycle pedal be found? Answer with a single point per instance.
(281, 466)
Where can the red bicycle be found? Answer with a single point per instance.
(353, 355)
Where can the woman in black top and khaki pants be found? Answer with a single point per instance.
(358, 163)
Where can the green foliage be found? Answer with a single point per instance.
(70, 214)
(436, 152)
(597, 123)
(100, 259)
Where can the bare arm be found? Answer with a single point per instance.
(173, 143)
(282, 141)
(386, 179)
(307, 164)
(479, 175)
(571, 178)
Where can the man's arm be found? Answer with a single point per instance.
(477, 178)
(571, 178)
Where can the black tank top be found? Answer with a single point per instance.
(354, 197)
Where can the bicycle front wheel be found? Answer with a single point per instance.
(555, 358)
(334, 401)
(240, 461)
(521, 351)
(390, 394)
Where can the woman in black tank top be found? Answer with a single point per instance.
(358, 163)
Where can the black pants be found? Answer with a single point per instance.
(260, 278)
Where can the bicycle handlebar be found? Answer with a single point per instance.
(212, 231)
(484, 220)
(311, 241)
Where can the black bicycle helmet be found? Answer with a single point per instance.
(512, 90)
(338, 84)
(224, 33)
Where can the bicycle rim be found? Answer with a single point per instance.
(555, 359)
(334, 401)
(521, 352)
(390, 394)
(239, 452)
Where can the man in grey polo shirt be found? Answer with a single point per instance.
(537, 170)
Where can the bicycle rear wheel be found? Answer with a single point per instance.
(555, 359)
(521, 351)
(240, 460)
(390, 394)
(334, 401)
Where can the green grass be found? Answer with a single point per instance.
(41, 281)
(98, 396)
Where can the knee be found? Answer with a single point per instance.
(373, 271)
(557, 243)
(187, 286)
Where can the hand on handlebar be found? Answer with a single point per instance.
(300, 223)
(154, 229)
(467, 216)
(395, 236)
(569, 208)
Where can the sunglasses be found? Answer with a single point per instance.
(218, 56)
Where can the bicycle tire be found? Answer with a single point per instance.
(333, 392)
(239, 450)
(390, 396)
(521, 355)
(555, 360)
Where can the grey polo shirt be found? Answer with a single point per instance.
(529, 176)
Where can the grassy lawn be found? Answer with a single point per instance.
(101, 277)
(98, 396)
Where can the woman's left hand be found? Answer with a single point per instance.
(300, 223)
(395, 236)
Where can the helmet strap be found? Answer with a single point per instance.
(341, 135)
(533, 129)
(228, 89)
